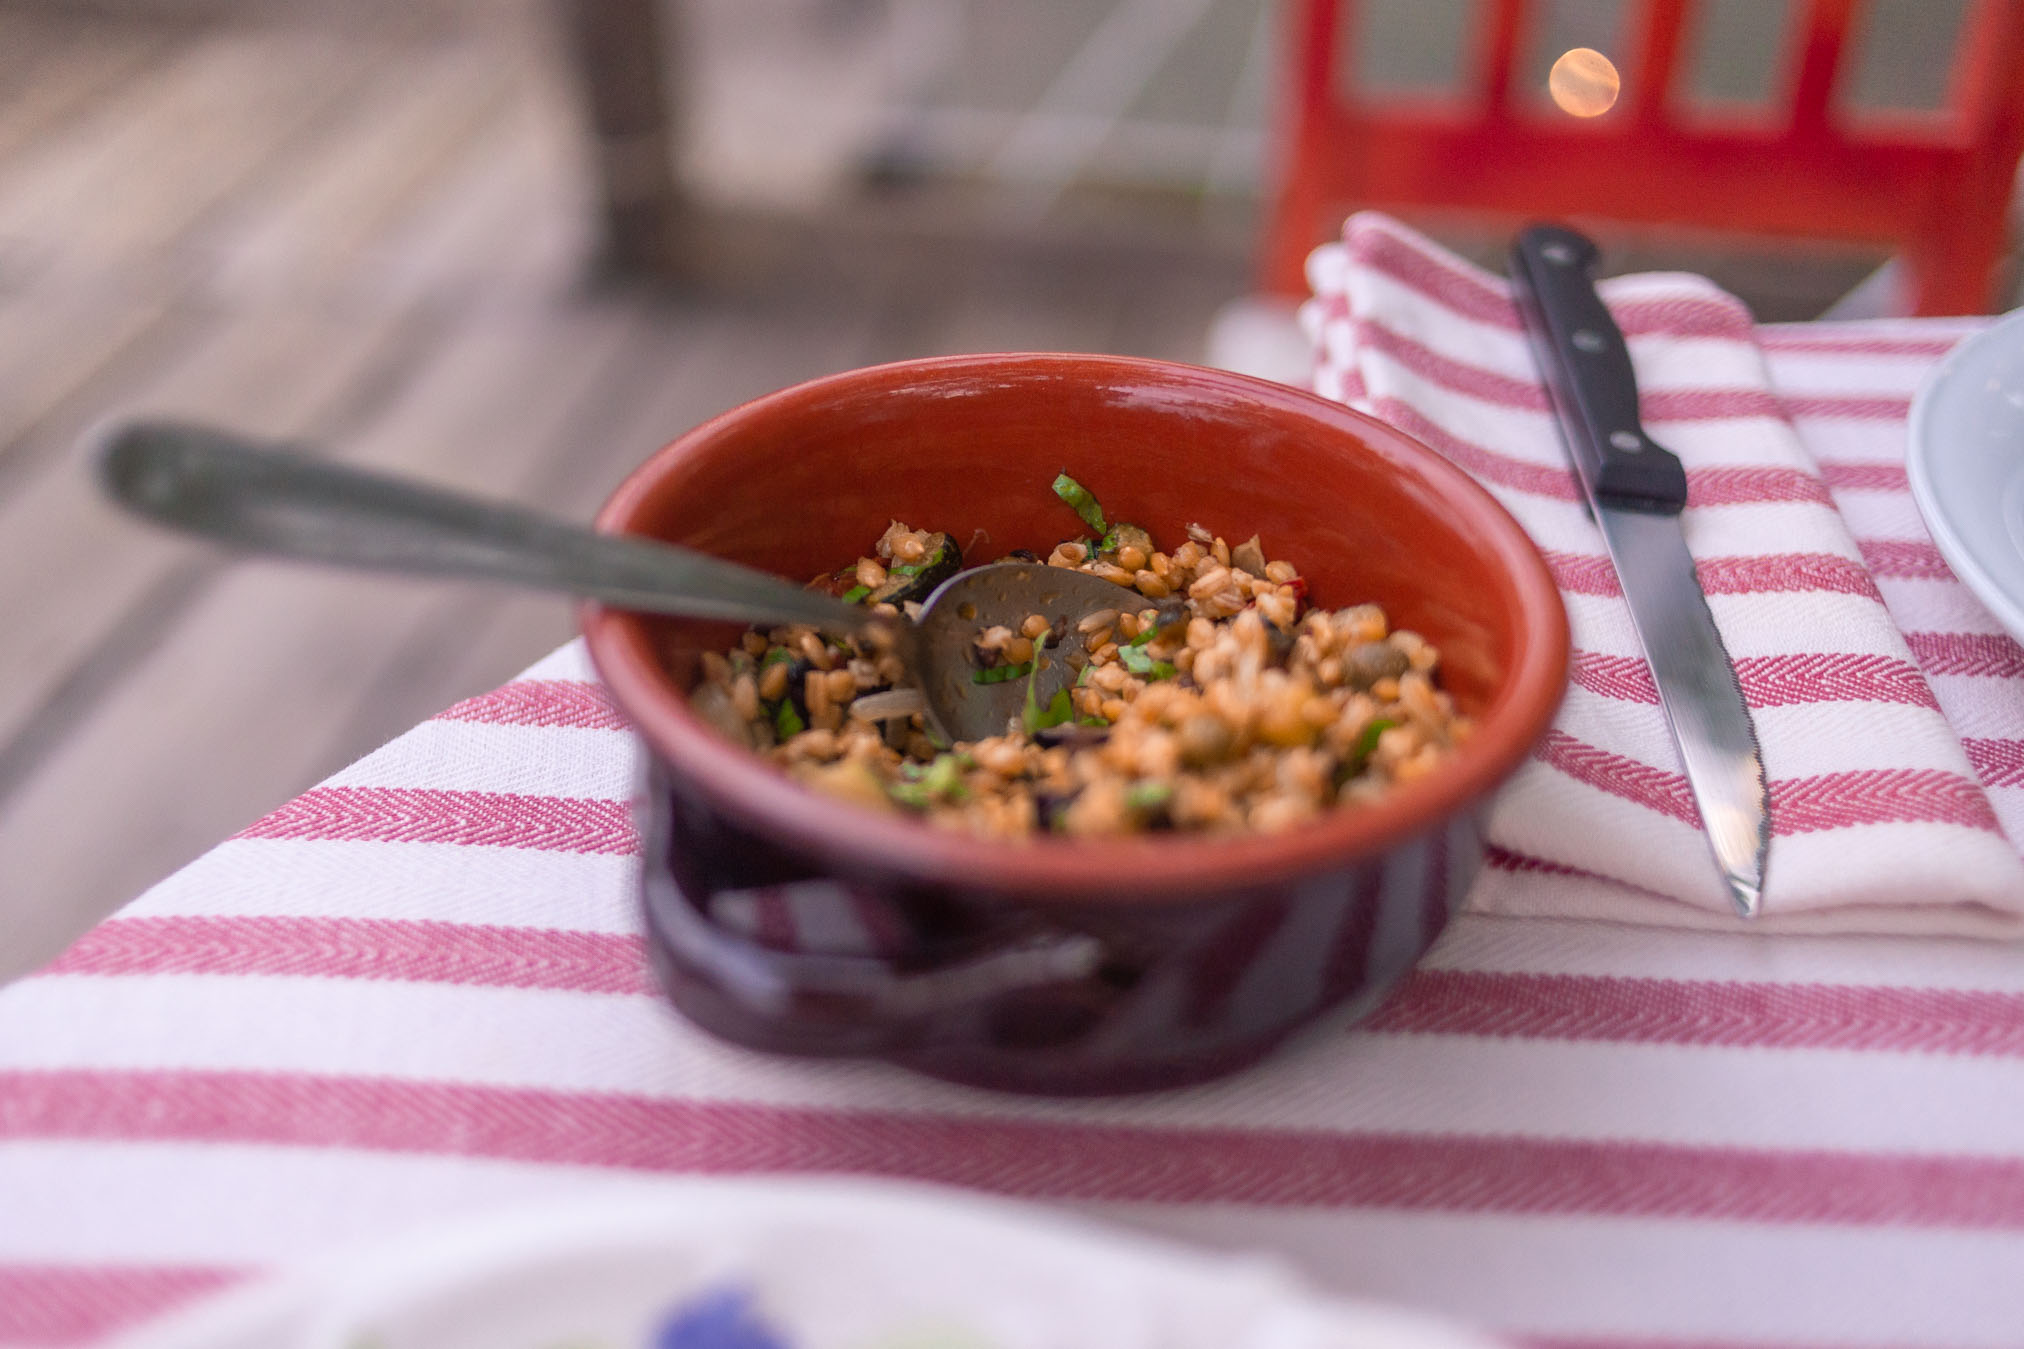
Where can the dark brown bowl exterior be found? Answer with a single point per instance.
(786, 921)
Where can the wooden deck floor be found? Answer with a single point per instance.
(373, 239)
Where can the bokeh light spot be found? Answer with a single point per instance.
(1583, 83)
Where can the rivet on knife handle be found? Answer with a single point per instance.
(1637, 490)
(1589, 376)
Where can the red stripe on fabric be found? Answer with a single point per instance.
(76, 1304)
(413, 950)
(1507, 859)
(1475, 295)
(1771, 681)
(1854, 345)
(1904, 559)
(1500, 470)
(1847, 407)
(1999, 763)
(1033, 1158)
(1798, 805)
(1879, 796)
(1708, 405)
(1705, 486)
(1653, 788)
(1463, 289)
(473, 819)
(1752, 486)
(572, 703)
(1656, 405)
(1773, 573)
(1706, 1012)
(1990, 654)
(1865, 477)
(1491, 386)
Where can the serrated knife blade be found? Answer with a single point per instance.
(1637, 490)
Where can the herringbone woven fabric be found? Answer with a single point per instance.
(1892, 773)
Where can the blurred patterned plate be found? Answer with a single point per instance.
(775, 1264)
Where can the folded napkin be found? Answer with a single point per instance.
(1879, 822)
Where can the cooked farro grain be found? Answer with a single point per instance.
(1229, 705)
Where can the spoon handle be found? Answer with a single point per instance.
(264, 500)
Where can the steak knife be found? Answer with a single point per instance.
(1637, 490)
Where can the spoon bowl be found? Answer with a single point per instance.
(266, 499)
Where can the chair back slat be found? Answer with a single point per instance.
(1499, 59)
(1825, 37)
(1651, 84)
(1935, 187)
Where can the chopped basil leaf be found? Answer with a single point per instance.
(1134, 659)
(1077, 496)
(787, 721)
(940, 780)
(1000, 674)
(1059, 711)
(1148, 795)
(945, 775)
(1366, 744)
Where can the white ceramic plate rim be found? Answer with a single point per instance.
(303, 1306)
(1945, 383)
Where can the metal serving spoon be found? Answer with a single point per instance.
(264, 499)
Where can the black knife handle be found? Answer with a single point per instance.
(1588, 373)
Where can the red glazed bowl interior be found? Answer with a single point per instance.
(804, 480)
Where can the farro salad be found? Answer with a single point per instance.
(1214, 698)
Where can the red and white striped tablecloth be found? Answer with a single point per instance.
(417, 991)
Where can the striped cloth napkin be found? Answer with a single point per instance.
(1882, 819)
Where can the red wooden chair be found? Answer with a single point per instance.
(1933, 186)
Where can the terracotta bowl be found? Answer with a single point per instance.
(786, 921)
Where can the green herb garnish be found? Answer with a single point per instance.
(856, 593)
(1147, 796)
(1078, 497)
(1000, 674)
(942, 779)
(775, 656)
(1135, 659)
(786, 721)
(1038, 718)
(1059, 710)
(1366, 744)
